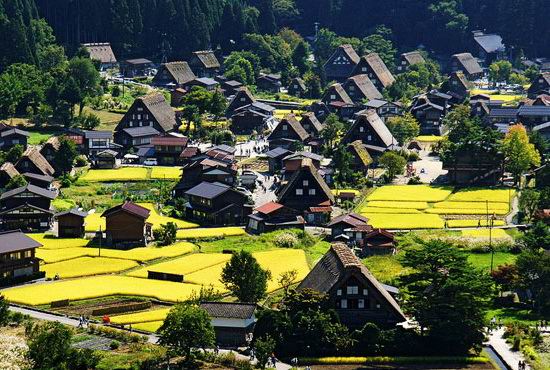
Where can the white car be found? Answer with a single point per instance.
(150, 162)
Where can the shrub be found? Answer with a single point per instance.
(80, 161)
(286, 240)
(413, 157)
(114, 345)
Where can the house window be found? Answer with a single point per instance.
(361, 303)
(305, 182)
(333, 97)
(378, 305)
(139, 116)
(363, 69)
(361, 129)
(344, 303)
(285, 128)
(140, 109)
(339, 292)
(353, 289)
(365, 292)
(369, 137)
(243, 99)
(311, 191)
(253, 224)
(352, 88)
(299, 192)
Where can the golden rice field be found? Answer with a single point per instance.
(418, 206)
(204, 233)
(486, 233)
(165, 173)
(207, 276)
(86, 266)
(51, 242)
(142, 254)
(93, 222)
(151, 326)
(184, 265)
(99, 286)
(119, 174)
(429, 138)
(141, 317)
(473, 223)
(337, 192)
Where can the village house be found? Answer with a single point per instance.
(243, 97)
(233, 322)
(7, 172)
(269, 82)
(374, 67)
(42, 181)
(502, 117)
(373, 133)
(204, 169)
(176, 96)
(103, 53)
(384, 109)
(135, 136)
(288, 134)
(98, 141)
(49, 151)
(361, 159)
(533, 115)
(297, 87)
(360, 89)
(468, 169)
(32, 161)
(168, 148)
(489, 47)
(18, 263)
(542, 99)
(11, 136)
(352, 290)
(253, 117)
(206, 83)
(106, 159)
(126, 225)
(26, 208)
(70, 223)
(307, 192)
(540, 85)
(228, 87)
(173, 74)
(543, 129)
(467, 64)
(429, 109)
(273, 216)
(337, 100)
(131, 68)
(293, 162)
(458, 87)
(341, 63)
(370, 242)
(274, 159)
(204, 63)
(217, 204)
(409, 59)
(311, 124)
(339, 224)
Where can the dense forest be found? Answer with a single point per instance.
(174, 28)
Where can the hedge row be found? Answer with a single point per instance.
(389, 359)
(122, 308)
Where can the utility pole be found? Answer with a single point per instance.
(100, 239)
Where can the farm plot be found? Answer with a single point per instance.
(141, 317)
(184, 265)
(405, 221)
(87, 266)
(157, 219)
(486, 233)
(400, 205)
(51, 242)
(119, 174)
(369, 210)
(94, 222)
(151, 326)
(483, 195)
(214, 232)
(99, 286)
(165, 173)
(473, 223)
(411, 193)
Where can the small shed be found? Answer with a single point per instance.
(233, 322)
(70, 224)
(106, 159)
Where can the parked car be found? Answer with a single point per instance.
(150, 162)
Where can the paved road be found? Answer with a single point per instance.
(499, 345)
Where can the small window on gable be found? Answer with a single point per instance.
(339, 292)
(352, 289)
(332, 97)
(369, 138)
(344, 303)
(243, 99)
(285, 128)
(365, 292)
(363, 69)
(299, 192)
(305, 182)
(311, 191)
(361, 129)
(361, 303)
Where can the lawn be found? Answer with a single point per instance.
(137, 254)
(141, 317)
(214, 232)
(401, 205)
(411, 193)
(405, 221)
(165, 173)
(385, 268)
(483, 260)
(119, 174)
(51, 242)
(184, 265)
(86, 266)
(486, 233)
(61, 204)
(99, 286)
(157, 219)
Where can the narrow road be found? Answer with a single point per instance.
(499, 345)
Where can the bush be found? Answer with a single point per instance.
(114, 345)
(80, 161)
(414, 181)
(413, 157)
(286, 240)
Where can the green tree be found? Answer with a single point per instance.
(14, 154)
(447, 296)
(313, 85)
(537, 237)
(377, 43)
(403, 128)
(4, 311)
(15, 182)
(22, 89)
(534, 274)
(87, 78)
(65, 156)
(529, 203)
(218, 105)
(300, 55)
(500, 71)
(88, 121)
(199, 97)
(393, 163)
(244, 277)
(190, 113)
(332, 130)
(520, 155)
(263, 348)
(325, 43)
(166, 235)
(185, 329)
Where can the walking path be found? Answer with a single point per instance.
(499, 345)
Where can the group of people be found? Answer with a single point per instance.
(83, 321)
(522, 365)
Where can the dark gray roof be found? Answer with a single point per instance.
(14, 131)
(208, 190)
(141, 131)
(225, 148)
(31, 188)
(534, 110)
(503, 112)
(229, 310)
(107, 153)
(73, 211)
(489, 42)
(36, 176)
(277, 152)
(334, 265)
(15, 240)
(88, 134)
(315, 157)
(138, 61)
(207, 81)
(365, 86)
(146, 151)
(376, 103)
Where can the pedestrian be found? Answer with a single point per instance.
(80, 321)
(216, 350)
(130, 328)
(252, 354)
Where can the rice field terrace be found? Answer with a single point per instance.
(132, 174)
(435, 207)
